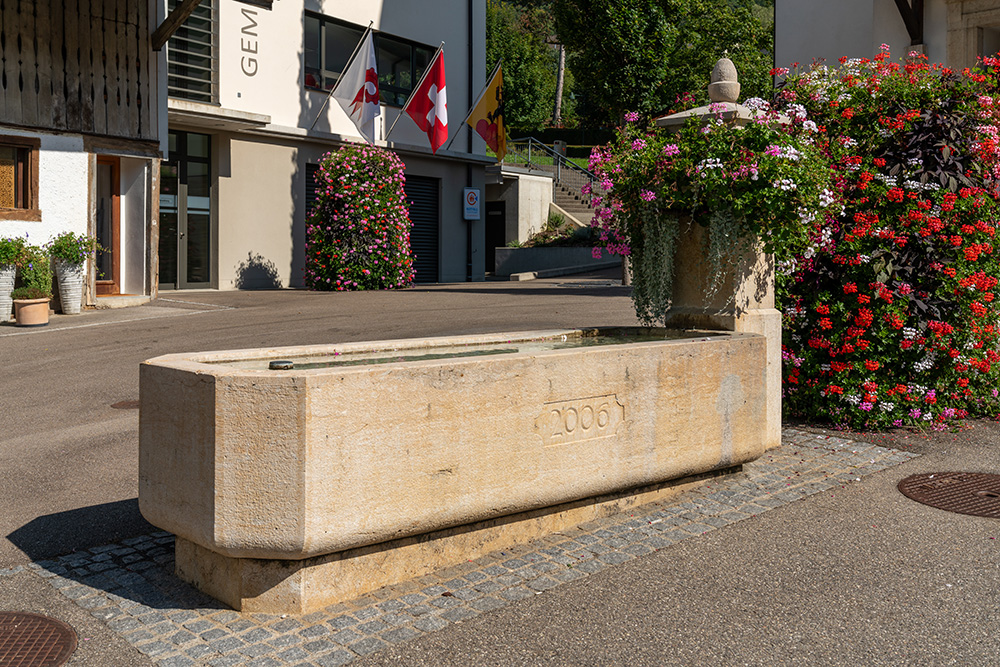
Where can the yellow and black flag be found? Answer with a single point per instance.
(486, 117)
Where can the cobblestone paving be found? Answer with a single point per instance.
(131, 587)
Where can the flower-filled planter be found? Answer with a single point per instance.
(70, 253)
(11, 251)
(31, 299)
(762, 186)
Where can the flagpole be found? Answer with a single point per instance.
(415, 89)
(479, 99)
(341, 75)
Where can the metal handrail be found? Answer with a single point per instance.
(531, 152)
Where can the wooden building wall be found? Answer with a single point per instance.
(78, 66)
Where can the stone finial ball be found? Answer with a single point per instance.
(725, 86)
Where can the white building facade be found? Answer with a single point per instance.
(954, 32)
(80, 116)
(247, 127)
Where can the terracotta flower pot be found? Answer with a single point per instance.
(31, 312)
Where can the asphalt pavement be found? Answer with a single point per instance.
(853, 574)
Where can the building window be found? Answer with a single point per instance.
(19, 178)
(329, 43)
(192, 56)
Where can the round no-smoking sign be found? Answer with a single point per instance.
(471, 203)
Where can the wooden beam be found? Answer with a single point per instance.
(913, 19)
(175, 20)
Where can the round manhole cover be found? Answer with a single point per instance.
(975, 493)
(31, 640)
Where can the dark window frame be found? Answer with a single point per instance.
(26, 206)
(320, 78)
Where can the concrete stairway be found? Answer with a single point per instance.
(567, 196)
(573, 203)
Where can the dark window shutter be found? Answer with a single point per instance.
(422, 195)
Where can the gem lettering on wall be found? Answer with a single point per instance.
(579, 420)
(248, 42)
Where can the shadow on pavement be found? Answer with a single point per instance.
(63, 532)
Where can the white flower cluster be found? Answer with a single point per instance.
(924, 364)
(788, 153)
(757, 104)
(918, 389)
(806, 216)
(786, 184)
(795, 312)
(887, 407)
(928, 416)
(826, 197)
(848, 142)
(890, 181)
(787, 266)
(864, 259)
(824, 367)
(909, 333)
(853, 399)
(710, 163)
(918, 186)
(796, 111)
(810, 126)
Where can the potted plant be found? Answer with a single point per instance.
(11, 251)
(31, 299)
(69, 253)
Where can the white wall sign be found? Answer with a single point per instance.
(471, 198)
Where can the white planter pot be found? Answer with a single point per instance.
(70, 277)
(7, 272)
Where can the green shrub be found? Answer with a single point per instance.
(890, 313)
(72, 248)
(34, 273)
(11, 250)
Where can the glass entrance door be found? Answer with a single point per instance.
(108, 226)
(186, 213)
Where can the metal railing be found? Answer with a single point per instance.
(533, 154)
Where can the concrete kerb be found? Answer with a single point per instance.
(130, 585)
(564, 271)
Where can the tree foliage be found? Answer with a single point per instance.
(515, 36)
(643, 55)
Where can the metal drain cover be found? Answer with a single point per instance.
(32, 640)
(975, 493)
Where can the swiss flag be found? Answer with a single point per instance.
(428, 105)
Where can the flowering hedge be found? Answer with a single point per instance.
(358, 233)
(764, 183)
(890, 314)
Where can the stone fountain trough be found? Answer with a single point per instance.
(366, 464)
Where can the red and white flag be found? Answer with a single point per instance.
(428, 105)
(357, 90)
